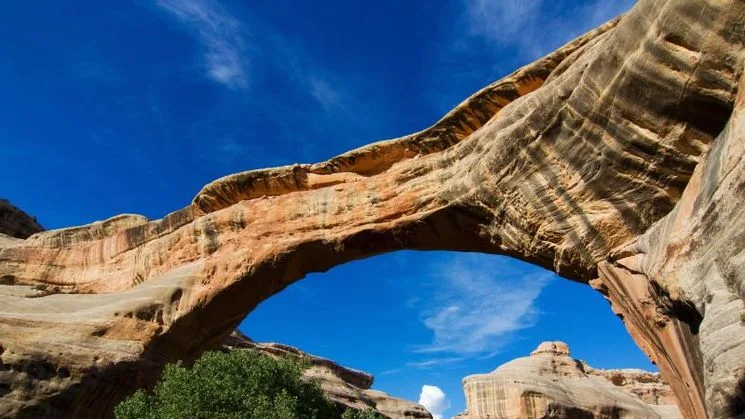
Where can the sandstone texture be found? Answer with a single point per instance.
(607, 161)
(344, 386)
(551, 384)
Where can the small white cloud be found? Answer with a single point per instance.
(479, 301)
(434, 399)
(220, 36)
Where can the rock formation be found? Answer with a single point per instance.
(606, 161)
(16, 223)
(648, 386)
(346, 387)
(551, 384)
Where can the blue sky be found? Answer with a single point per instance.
(114, 107)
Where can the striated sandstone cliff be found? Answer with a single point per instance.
(346, 387)
(551, 384)
(602, 161)
(680, 286)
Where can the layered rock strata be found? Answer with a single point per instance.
(551, 384)
(680, 286)
(346, 387)
(574, 163)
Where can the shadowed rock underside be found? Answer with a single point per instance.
(606, 161)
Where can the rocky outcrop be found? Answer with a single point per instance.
(602, 161)
(16, 223)
(344, 386)
(551, 384)
(648, 386)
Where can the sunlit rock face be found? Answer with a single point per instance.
(605, 161)
(551, 384)
(346, 387)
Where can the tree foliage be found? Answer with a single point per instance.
(362, 414)
(235, 385)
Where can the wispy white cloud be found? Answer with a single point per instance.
(220, 36)
(323, 92)
(500, 20)
(391, 371)
(435, 400)
(537, 27)
(227, 150)
(329, 90)
(437, 362)
(479, 302)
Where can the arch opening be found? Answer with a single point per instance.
(432, 318)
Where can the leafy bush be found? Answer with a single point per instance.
(361, 414)
(239, 384)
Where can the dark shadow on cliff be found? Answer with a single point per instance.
(736, 402)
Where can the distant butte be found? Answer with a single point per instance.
(551, 384)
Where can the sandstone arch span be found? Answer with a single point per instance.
(575, 163)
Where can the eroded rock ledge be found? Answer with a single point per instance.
(550, 383)
(16, 223)
(576, 163)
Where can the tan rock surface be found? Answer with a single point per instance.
(551, 384)
(558, 164)
(680, 286)
(648, 386)
(345, 386)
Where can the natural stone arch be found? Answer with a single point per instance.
(558, 164)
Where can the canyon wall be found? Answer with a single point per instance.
(606, 161)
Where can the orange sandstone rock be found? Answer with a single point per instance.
(575, 163)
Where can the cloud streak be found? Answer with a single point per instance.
(479, 302)
(219, 35)
(500, 20)
(431, 363)
(537, 27)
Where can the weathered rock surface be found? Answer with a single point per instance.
(551, 384)
(16, 223)
(571, 163)
(680, 286)
(344, 386)
(648, 386)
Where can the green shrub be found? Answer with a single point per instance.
(239, 384)
(361, 414)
